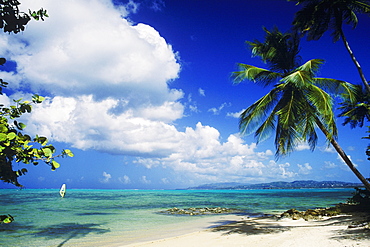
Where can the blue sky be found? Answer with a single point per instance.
(141, 92)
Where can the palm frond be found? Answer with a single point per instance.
(311, 66)
(338, 87)
(356, 115)
(263, 50)
(312, 20)
(307, 127)
(298, 78)
(286, 139)
(351, 18)
(286, 109)
(279, 50)
(290, 111)
(323, 103)
(356, 111)
(321, 100)
(331, 131)
(257, 112)
(255, 74)
(266, 129)
(317, 16)
(361, 6)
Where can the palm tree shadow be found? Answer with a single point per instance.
(70, 231)
(250, 227)
(354, 234)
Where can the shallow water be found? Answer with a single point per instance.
(89, 217)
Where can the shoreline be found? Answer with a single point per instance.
(173, 230)
(263, 231)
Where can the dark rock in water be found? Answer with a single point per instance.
(199, 211)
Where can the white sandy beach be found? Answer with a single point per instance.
(269, 231)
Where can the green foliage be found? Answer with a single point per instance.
(356, 112)
(361, 197)
(38, 15)
(279, 50)
(317, 16)
(13, 20)
(16, 146)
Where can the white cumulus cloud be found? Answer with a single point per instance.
(217, 110)
(201, 92)
(106, 178)
(125, 179)
(235, 114)
(305, 168)
(86, 47)
(144, 180)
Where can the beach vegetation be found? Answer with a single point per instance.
(15, 145)
(298, 103)
(361, 197)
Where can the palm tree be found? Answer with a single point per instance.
(357, 112)
(317, 16)
(297, 102)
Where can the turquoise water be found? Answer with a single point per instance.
(92, 217)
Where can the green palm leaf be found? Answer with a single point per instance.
(252, 73)
(312, 66)
(357, 111)
(337, 88)
(257, 112)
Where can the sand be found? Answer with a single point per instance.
(270, 231)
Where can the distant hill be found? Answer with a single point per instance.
(278, 185)
(215, 186)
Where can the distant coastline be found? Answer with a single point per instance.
(301, 184)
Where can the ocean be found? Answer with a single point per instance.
(106, 217)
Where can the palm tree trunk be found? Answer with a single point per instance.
(343, 155)
(357, 64)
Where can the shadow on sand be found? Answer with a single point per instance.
(358, 228)
(255, 227)
(68, 231)
(250, 227)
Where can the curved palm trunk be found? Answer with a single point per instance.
(343, 155)
(357, 64)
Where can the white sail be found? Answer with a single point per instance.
(62, 191)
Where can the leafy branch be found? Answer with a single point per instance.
(16, 146)
(14, 20)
